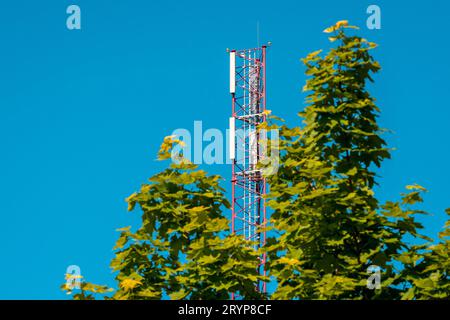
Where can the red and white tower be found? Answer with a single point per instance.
(248, 95)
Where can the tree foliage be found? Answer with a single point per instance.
(183, 248)
(330, 227)
(427, 269)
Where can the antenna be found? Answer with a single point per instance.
(257, 34)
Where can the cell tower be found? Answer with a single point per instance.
(248, 95)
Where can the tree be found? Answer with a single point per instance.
(427, 269)
(330, 226)
(183, 248)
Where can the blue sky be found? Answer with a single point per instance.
(82, 112)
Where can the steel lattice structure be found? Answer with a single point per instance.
(248, 93)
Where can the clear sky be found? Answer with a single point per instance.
(82, 112)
